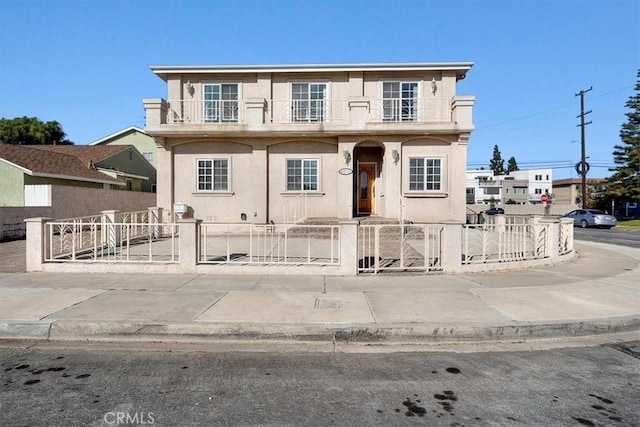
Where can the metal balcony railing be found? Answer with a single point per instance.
(388, 110)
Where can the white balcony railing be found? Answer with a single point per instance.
(204, 111)
(393, 110)
(432, 109)
(307, 111)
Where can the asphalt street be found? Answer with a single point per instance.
(623, 236)
(45, 386)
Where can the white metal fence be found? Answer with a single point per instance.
(395, 247)
(431, 109)
(97, 238)
(269, 244)
(509, 242)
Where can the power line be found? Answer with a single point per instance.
(549, 110)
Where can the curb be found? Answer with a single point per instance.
(287, 333)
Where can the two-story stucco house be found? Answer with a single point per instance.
(241, 143)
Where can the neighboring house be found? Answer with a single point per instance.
(343, 140)
(540, 182)
(482, 187)
(135, 136)
(517, 187)
(569, 191)
(25, 167)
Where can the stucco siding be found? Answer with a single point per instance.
(11, 185)
(321, 203)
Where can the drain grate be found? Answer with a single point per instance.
(328, 304)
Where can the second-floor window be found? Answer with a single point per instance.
(308, 102)
(400, 101)
(220, 102)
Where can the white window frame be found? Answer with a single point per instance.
(148, 155)
(221, 103)
(302, 183)
(397, 107)
(325, 108)
(441, 175)
(213, 175)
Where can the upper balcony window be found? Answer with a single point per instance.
(308, 102)
(400, 101)
(220, 102)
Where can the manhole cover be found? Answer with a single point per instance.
(328, 303)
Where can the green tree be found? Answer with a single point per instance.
(512, 165)
(496, 164)
(625, 181)
(31, 131)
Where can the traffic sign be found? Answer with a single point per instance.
(544, 198)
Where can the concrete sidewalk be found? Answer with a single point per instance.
(598, 293)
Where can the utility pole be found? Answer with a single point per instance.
(583, 162)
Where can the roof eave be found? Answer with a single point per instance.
(163, 71)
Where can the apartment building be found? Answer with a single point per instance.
(241, 143)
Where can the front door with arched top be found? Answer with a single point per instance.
(366, 188)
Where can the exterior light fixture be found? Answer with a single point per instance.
(395, 155)
(346, 156)
(190, 88)
(434, 87)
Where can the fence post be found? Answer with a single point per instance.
(111, 229)
(349, 248)
(553, 238)
(155, 222)
(36, 242)
(189, 243)
(452, 246)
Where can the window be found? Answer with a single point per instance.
(302, 175)
(399, 101)
(538, 191)
(213, 175)
(129, 184)
(538, 178)
(425, 174)
(521, 191)
(308, 102)
(220, 102)
(148, 155)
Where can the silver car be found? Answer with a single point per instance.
(591, 218)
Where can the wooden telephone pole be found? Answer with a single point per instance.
(583, 161)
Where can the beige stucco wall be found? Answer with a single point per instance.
(322, 203)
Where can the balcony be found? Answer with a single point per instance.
(290, 116)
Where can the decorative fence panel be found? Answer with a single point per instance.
(269, 244)
(486, 243)
(99, 239)
(396, 247)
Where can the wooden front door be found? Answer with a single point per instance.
(366, 188)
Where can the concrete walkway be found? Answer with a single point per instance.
(598, 293)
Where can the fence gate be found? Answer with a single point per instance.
(396, 247)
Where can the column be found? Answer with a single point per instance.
(37, 240)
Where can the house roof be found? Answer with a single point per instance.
(163, 71)
(576, 181)
(117, 134)
(61, 161)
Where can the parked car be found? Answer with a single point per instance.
(494, 211)
(591, 218)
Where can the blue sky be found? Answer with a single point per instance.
(86, 63)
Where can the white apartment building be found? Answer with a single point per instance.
(520, 187)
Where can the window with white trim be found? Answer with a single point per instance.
(538, 191)
(220, 102)
(425, 174)
(302, 175)
(213, 174)
(148, 155)
(399, 101)
(308, 102)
